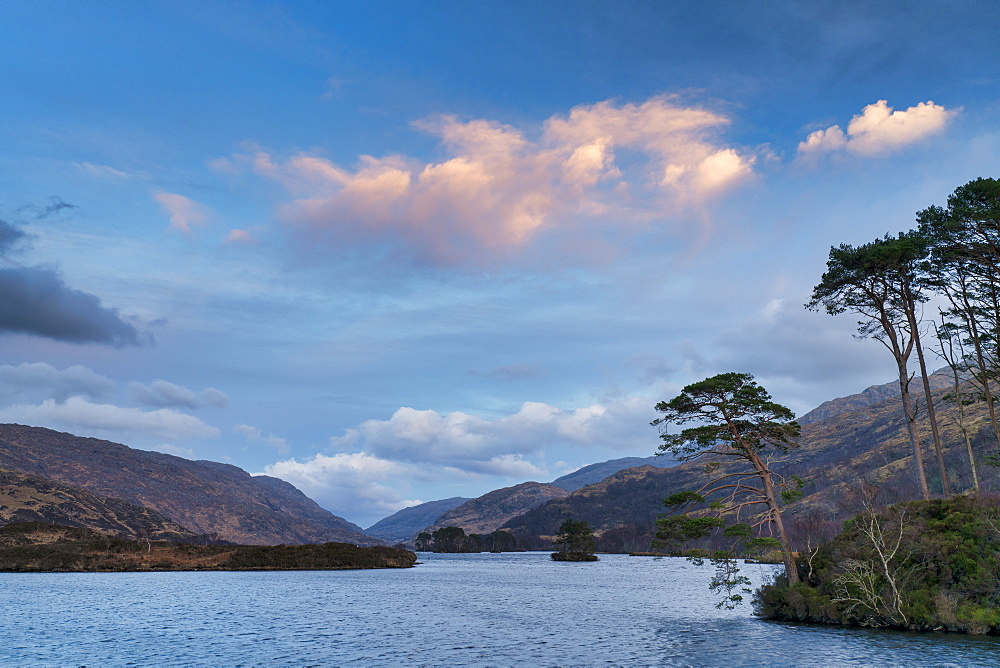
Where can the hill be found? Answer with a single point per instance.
(203, 497)
(25, 498)
(493, 509)
(855, 443)
(403, 525)
(588, 475)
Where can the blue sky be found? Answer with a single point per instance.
(396, 252)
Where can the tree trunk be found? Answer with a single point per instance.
(911, 428)
(791, 568)
(931, 416)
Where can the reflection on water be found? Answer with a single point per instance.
(483, 609)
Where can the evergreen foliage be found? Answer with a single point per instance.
(919, 565)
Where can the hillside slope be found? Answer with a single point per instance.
(205, 497)
(25, 498)
(588, 475)
(493, 509)
(403, 525)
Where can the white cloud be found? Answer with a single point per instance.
(165, 394)
(254, 435)
(500, 446)
(44, 381)
(878, 130)
(183, 212)
(83, 417)
(498, 188)
(356, 484)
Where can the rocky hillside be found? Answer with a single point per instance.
(588, 475)
(493, 509)
(865, 443)
(876, 394)
(204, 497)
(25, 498)
(403, 525)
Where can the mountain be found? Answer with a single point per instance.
(588, 475)
(203, 497)
(493, 509)
(25, 498)
(875, 394)
(854, 444)
(403, 525)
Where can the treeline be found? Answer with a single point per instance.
(455, 540)
(953, 257)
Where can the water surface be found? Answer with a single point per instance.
(479, 610)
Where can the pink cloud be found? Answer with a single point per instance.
(183, 212)
(496, 189)
(879, 129)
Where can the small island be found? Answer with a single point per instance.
(575, 542)
(37, 547)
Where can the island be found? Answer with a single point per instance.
(37, 547)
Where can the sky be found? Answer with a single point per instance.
(395, 252)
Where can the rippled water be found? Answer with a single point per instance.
(482, 610)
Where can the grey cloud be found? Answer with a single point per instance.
(161, 393)
(9, 236)
(37, 301)
(54, 206)
(44, 379)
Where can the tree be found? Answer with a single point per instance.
(575, 541)
(735, 419)
(879, 281)
(963, 265)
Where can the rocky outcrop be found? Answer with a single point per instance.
(25, 498)
(220, 500)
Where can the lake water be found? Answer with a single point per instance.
(452, 610)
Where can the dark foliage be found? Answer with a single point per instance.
(920, 565)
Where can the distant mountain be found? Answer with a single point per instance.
(875, 394)
(493, 509)
(25, 498)
(857, 442)
(204, 497)
(588, 475)
(403, 525)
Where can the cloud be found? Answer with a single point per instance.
(54, 206)
(104, 171)
(183, 212)
(164, 394)
(497, 189)
(254, 435)
(9, 236)
(82, 417)
(815, 354)
(878, 130)
(356, 484)
(240, 237)
(36, 301)
(51, 383)
(500, 446)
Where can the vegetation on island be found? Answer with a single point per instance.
(454, 540)
(574, 542)
(40, 547)
(921, 565)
